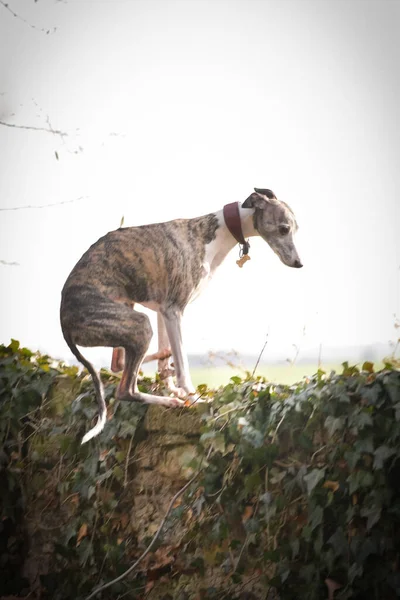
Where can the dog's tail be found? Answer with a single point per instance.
(99, 390)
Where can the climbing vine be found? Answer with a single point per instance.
(298, 493)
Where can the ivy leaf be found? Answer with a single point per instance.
(316, 517)
(392, 386)
(217, 440)
(14, 346)
(313, 478)
(295, 547)
(373, 514)
(339, 543)
(345, 398)
(371, 394)
(128, 429)
(252, 436)
(333, 424)
(355, 570)
(85, 552)
(360, 479)
(365, 445)
(367, 548)
(381, 454)
(361, 420)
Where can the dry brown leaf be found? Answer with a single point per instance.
(248, 512)
(83, 531)
(124, 519)
(331, 485)
(103, 455)
(332, 587)
(149, 586)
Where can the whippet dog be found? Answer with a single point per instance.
(162, 266)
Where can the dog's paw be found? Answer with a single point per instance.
(174, 402)
(180, 392)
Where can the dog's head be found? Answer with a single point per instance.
(275, 222)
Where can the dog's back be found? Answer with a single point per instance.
(158, 263)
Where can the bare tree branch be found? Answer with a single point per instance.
(46, 31)
(33, 128)
(44, 205)
(9, 264)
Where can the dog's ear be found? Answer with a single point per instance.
(269, 193)
(256, 200)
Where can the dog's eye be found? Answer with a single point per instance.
(284, 229)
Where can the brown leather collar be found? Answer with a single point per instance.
(233, 223)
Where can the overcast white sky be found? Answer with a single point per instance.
(174, 108)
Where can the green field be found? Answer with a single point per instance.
(287, 374)
(276, 373)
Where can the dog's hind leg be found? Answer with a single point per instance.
(109, 323)
(162, 355)
(128, 389)
(135, 349)
(117, 360)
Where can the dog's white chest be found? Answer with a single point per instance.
(212, 259)
(205, 278)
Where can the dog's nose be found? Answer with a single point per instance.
(297, 264)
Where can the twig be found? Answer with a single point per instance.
(317, 451)
(277, 427)
(128, 454)
(246, 541)
(227, 412)
(43, 206)
(33, 128)
(153, 541)
(228, 593)
(297, 349)
(267, 492)
(260, 355)
(46, 31)
(296, 500)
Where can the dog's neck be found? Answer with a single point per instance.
(247, 221)
(225, 242)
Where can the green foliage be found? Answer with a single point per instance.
(312, 471)
(299, 491)
(52, 483)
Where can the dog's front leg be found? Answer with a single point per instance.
(173, 323)
(165, 369)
